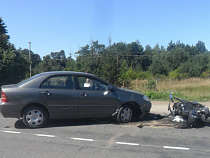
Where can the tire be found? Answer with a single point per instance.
(34, 117)
(194, 123)
(143, 116)
(125, 114)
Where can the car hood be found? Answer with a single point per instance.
(130, 91)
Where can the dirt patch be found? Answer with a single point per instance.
(154, 121)
(158, 121)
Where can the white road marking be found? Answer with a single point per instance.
(14, 132)
(124, 143)
(83, 139)
(178, 148)
(91, 140)
(44, 135)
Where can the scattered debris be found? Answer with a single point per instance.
(178, 119)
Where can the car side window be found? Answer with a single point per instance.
(86, 83)
(59, 82)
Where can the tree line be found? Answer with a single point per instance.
(117, 63)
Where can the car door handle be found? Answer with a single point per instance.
(84, 94)
(47, 93)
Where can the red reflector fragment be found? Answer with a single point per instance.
(4, 97)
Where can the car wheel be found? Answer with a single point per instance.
(125, 114)
(34, 117)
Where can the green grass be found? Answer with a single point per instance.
(193, 89)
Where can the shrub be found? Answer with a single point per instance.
(206, 74)
(151, 85)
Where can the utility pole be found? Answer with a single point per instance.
(30, 57)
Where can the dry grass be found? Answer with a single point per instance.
(192, 88)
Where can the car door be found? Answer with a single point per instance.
(59, 93)
(94, 97)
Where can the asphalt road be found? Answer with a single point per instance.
(156, 137)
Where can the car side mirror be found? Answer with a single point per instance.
(110, 88)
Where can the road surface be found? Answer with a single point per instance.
(156, 137)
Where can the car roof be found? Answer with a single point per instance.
(65, 72)
(34, 80)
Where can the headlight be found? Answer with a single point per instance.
(146, 98)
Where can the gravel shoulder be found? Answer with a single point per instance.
(161, 107)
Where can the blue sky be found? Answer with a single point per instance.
(54, 25)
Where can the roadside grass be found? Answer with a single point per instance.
(193, 89)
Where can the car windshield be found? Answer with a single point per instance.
(29, 79)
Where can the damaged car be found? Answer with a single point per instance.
(68, 94)
(191, 112)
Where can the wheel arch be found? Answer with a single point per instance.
(136, 107)
(139, 114)
(34, 104)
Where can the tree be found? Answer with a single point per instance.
(196, 65)
(96, 48)
(58, 55)
(13, 66)
(84, 50)
(176, 74)
(70, 64)
(134, 47)
(171, 46)
(159, 65)
(35, 58)
(118, 48)
(201, 46)
(56, 61)
(4, 38)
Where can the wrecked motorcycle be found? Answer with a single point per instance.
(191, 112)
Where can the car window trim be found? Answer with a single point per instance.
(90, 77)
(57, 76)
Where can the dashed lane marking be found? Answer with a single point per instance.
(83, 139)
(44, 135)
(91, 140)
(177, 148)
(124, 143)
(14, 132)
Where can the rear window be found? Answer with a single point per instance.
(29, 79)
(59, 82)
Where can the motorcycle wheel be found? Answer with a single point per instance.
(194, 123)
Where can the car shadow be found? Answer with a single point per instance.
(69, 122)
(151, 120)
(87, 121)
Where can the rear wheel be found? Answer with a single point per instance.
(194, 123)
(125, 114)
(34, 117)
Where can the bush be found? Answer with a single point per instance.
(162, 95)
(206, 74)
(151, 85)
(144, 75)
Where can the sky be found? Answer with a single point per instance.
(55, 25)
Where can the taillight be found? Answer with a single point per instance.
(4, 97)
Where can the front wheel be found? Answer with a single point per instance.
(125, 114)
(34, 117)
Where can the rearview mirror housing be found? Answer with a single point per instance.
(110, 88)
